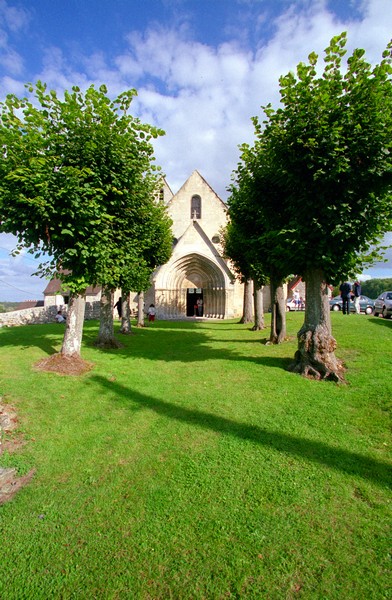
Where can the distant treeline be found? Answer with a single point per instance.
(372, 288)
(8, 306)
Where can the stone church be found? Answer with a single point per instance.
(197, 280)
(197, 270)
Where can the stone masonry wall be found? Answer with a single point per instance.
(42, 314)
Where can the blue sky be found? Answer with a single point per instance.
(202, 70)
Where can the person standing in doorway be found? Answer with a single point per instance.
(199, 307)
(357, 293)
(345, 293)
(151, 313)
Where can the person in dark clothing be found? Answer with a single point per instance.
(345, 293)
(357, 293)
(118, 305)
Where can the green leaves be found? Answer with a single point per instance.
(77, 179)
(317, 181)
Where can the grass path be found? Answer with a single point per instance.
(191, 464)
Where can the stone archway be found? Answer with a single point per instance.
(192, 271)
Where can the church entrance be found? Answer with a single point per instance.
(192, 280)
(194, 302)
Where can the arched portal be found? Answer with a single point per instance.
(190, 274)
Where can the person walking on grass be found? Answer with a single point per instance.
(118, 306)
(296, 300)
(357, 293)
(151, 313)
(345, 293)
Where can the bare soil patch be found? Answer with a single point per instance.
(10, 441)
(64, 365)
(10, 483)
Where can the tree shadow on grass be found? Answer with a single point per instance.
(381, 322)
(352, 463)
(166, 341)
(192, 345)
(48, 337)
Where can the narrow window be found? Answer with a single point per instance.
(196, 207)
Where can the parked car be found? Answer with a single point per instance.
(291, 304)
(365, 304)
(383, 305)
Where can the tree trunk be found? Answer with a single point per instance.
(258, 307)
(106, 337)
(278, 312)
(72, 341)
(315, 356)
(247, 315)
(140, 309)
(125, 314)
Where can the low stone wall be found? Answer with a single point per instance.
(42, 314)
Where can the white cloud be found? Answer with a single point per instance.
(383, 269)
(16, 280)
(7, 242)
(204, 96)
(12, 20)
(11, 61)
(12, 17)
(13, 86)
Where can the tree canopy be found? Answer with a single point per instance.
(319, 175)
(317, 182)
(78, 183)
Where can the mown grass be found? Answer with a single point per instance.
(191, 464)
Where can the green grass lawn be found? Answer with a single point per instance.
(190, 464)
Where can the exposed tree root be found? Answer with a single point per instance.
(315, 357)
(64, 364)
(110, 344)
(313, 369)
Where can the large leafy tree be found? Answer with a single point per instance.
(327, 152)
(234, 249)
(257, 228)
(138, 264)
(77, 182)
(238, 249)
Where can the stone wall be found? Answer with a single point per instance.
(42, 314)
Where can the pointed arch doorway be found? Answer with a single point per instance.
(190, 278)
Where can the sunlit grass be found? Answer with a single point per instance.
(191, 464)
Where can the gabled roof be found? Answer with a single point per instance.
(194, 176)
(29, 304)
(167, 192)
(53, 287)
(56, 286)
(294, 282)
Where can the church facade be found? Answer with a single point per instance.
(197, 280)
